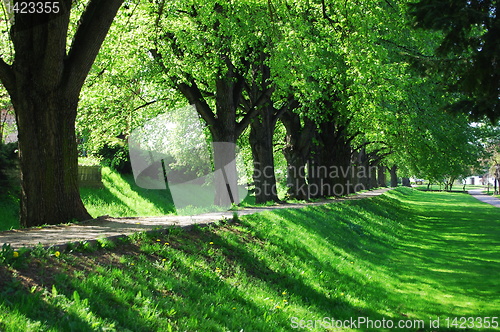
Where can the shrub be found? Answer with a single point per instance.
(115, 155)
(8, 161)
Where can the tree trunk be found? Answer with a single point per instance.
(261, 143)
(44, 84)
(362, 172)
(296, 174)
(224, 131)
(449, 183)
(262, 131)
(394, 176)
(406, 182)
(48, 159)
(226, 177)
(373, 175)
(222, 125)
(339, 156)
(382, 180)
(296, 151)
(315, 170)
(330, 169)
(224, 136)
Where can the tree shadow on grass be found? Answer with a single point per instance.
(449, 254)
(332, 236)
(145, 288)
(148, 289)
(285, 274)
(202, 295)
(435, 261)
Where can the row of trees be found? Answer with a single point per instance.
(340, 88)
(343, 92)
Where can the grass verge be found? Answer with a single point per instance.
(405, 256)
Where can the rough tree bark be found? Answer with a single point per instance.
(261, 142)
(330, 168)
(44, 84)
(296, 151)
(364, 170)
(381, 177)
(262, 130)
(394, 176)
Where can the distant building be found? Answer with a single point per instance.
(478, 180)
(417, 181)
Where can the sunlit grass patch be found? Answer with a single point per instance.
(121, 197)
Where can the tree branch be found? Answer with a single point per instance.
(351, 137)
(191, 92)
(408, 50)
(95, 24)
(238, 87)
(253, 111)
(376, 157)
(147, 104)
(391, 5)
(365, 144)
(290, 104)
(194, 96)
(245, 122)
(327, 17)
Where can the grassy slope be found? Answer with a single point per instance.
(121, 197)
(404, 255)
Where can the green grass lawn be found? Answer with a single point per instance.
(406, 255)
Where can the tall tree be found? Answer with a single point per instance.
(44, 83)
(214, 46)
(261, 142)
(262, 128)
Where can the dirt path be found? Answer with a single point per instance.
(109, 227)
(480, 195)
